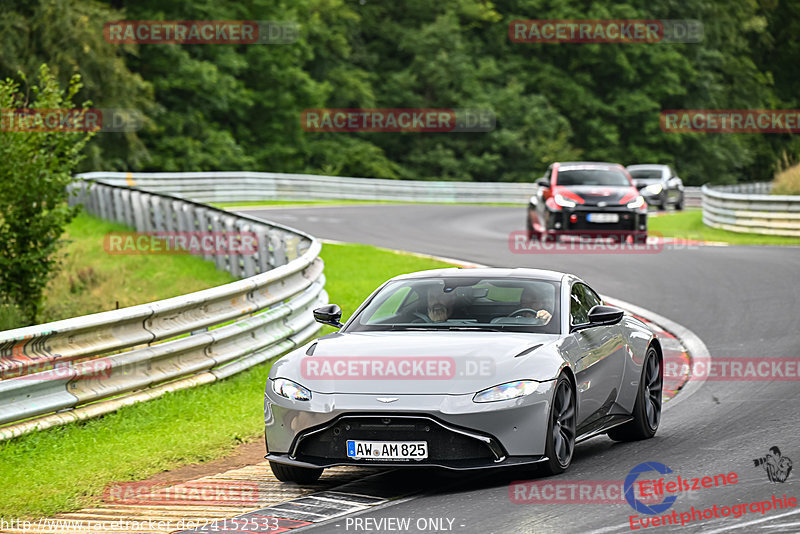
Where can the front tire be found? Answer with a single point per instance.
(291, 473)
(647, 410)
(560, 443)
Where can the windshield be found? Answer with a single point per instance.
(462, 303)
(646, 174)
(592, 177)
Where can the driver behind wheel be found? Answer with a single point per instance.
(535, 304)
(440, 304)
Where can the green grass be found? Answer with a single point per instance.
(90, 280)
(689, 225)
(68, 467)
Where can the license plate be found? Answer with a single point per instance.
(387, 450)
(602, 217)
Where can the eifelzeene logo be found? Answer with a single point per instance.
(777, 467)
(630, 496)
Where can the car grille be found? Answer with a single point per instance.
(628, 221)
(445, 443)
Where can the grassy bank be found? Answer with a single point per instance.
(90, 280)
(787, 182)
(689, 225)
(66, 468)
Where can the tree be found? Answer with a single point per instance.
(36, 164)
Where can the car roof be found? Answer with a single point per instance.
(645, 166)
(587, 164)
(488, 272)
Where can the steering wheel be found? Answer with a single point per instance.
(520, 311)
(423, 316)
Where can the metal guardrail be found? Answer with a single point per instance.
(249, 186)
(86, 366)
(246, 186)
(749, 208)
(692, 197)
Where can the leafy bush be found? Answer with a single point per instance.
(36, 167)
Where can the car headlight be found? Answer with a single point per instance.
(291, 390)
(510, 390)
(563, 201)
(636, 203)
(654, 189)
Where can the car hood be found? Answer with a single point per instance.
(410, 362)
(594, 194)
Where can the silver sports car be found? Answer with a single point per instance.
(463, 369)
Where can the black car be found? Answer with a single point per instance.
(658, 184)
(590, 199)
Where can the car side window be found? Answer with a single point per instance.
(592, 298)
(578, 312)
(582, 299)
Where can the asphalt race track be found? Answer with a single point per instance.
(741, 301)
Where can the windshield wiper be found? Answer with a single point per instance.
(402, 327)
(488, 328)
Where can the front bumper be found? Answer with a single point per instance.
(631, 222)
(449, 447)
(462, 466)
(654, 200)
(461, 434)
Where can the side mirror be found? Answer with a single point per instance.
(329, 315)
(601, 316)
(543, 182)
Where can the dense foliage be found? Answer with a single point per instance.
(238, 106)
(36, 167)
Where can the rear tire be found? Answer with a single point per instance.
(679, 205)
(291, 473)
(560, 443)
(647, 410)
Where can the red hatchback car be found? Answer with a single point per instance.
(587, 199)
